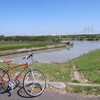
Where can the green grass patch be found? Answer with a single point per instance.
(84, 90)
(89, 66)
(17, 45)
(55, 72)
(75, 81)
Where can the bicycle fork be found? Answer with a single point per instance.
(32, 76)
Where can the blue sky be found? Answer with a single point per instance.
(48, 17)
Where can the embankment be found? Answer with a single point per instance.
(17, 51)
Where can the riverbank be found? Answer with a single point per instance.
(88, 66)
(22, 50)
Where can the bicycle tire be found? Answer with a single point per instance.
(4, 81)
(32, 85)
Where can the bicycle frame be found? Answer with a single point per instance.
(9, 68)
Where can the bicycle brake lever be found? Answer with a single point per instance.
(24, 58)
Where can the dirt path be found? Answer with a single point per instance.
(78, 76)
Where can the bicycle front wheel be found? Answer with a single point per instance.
(34, 83)
(4, 80)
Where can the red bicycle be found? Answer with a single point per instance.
(34, 81)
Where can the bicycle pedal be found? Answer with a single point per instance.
(9, 94)
(10, 90)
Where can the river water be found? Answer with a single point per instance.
(59, 55)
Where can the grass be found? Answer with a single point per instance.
(55, 72)
(84, 90)
(75, 81)
(17, 45)
(89, 66)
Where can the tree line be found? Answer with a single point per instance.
(50, 38)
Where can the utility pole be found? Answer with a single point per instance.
(87, 30)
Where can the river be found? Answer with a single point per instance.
(59, 55)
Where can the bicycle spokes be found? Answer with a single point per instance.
(4, 80)
(34, 83)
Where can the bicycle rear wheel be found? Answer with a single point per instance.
(4, 80)
(34, 83)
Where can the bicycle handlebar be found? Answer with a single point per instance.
(30, 55)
